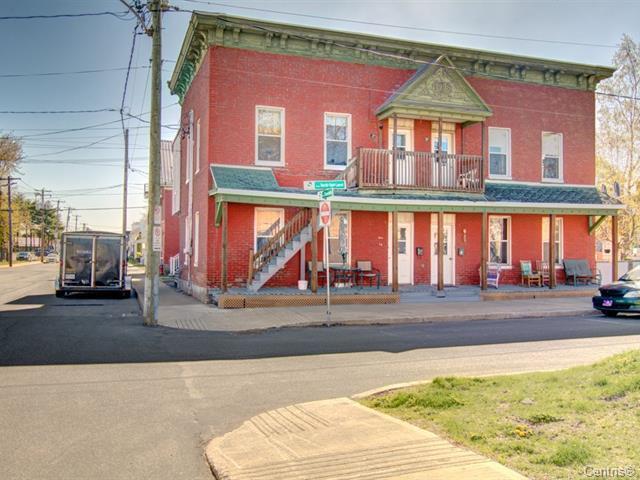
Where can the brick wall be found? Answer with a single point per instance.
(170, 228)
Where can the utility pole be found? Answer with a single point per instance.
(125, 181)
(58, 224)
(77, 216)
(42, 229)
(152, 250)
(10, 179)
(66, 226)
(84, 227)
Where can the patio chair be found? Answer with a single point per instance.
(365, 271)
(322, 273)
(527, 274)
(542, 268)
(588, 275)
(493, 275)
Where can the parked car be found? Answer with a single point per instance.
(622, 296)
(53, 257)
(24, 256)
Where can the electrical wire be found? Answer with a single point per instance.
(38, 112)
(70, 72)
(119, 15)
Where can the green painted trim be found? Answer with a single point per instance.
(218, 216)
(376, 207)
(211, 29)
(594, 225)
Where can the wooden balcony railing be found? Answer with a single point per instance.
(381, 169)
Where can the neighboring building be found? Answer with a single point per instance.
(170, 222)
(478, 135)
(136, 241)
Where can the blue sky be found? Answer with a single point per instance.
(91, 43)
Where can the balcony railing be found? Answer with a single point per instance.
(377, 168)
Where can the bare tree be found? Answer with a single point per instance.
(618, 139)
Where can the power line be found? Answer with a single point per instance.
(79, 147)
(404, 27)
(126, 78)
(119, 15)
(38, 112)
(70, 72)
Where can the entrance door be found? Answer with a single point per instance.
(405, 249)
(444, 168)
(405, 162)
(449, 249)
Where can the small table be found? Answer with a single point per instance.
(343, 275)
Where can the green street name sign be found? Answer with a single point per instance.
(324, 184)
(324, 194)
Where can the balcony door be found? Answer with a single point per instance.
(405, 162)
(444, 167)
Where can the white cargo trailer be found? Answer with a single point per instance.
(93, 261)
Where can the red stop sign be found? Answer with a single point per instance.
(325, 212)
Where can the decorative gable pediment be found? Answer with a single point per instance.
(437, 90)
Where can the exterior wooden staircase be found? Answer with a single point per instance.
(281, 247)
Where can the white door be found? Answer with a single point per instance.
(405, 162)
(405, 249)
(449, 267)
(444, 169)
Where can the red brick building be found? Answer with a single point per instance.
(480, 156)
(169, 157)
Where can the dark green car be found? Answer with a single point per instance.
(622, 296)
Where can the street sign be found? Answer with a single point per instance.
(324, 194)
(157, 238)
(324, 184)
(325, 212)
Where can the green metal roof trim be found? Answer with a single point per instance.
(437, 90)
(263, 180)
(243, 178)
(207, 29)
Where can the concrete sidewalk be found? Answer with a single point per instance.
(341, 439)
(178, 310)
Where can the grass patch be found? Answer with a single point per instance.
(545, 425)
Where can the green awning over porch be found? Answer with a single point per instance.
(258, 186)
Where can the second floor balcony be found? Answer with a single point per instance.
(381, 169)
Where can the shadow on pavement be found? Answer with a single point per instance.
(85, 329)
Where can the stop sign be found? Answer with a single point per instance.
(325, 212)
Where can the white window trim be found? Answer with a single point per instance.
(324, 128)
(177, 163)
(508, 175)
(348, 213)
(255, 222)
(281, 163)
(509, 264)
(196, 239)
(189, 166)
(197, 146)
(560, 178)
(561, 240)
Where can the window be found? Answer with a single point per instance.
(545, 240)
(337, 140)
(196, 239)
(267, 223)
(339, 239)
(499, 152)
(552, 156)
(187, 239)
(175, 192)
(189, 172)
(198, 146)
(269, 136)
(499, 240)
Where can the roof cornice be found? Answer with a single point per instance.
(216, 29)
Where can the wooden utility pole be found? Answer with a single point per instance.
(66, 227)
(125, 182)
(10, 218)
(552, 251)
(44, 221)
(152, 263)
(77, 216)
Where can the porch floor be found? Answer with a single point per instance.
(421, 293)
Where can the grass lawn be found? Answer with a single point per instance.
(544, 425)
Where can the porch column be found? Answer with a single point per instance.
(614, 248)
(552, 251)
(314, 250)
(225, 228)
(482, 131)
(441, 251)
(394, 253)
(394, 145)
(484, 250)
(439, 154)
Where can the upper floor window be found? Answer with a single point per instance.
(499, 152)
(552, 156)
(270, 136)
(337, 140)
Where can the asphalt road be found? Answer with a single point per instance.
(87, 392)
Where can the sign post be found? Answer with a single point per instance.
(325, 221)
